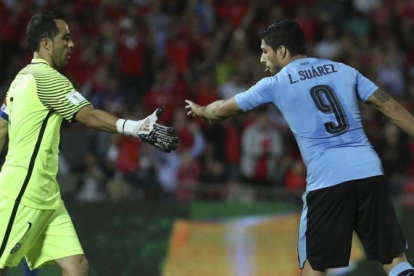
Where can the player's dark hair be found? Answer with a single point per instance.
(284, 32)
(42, 25)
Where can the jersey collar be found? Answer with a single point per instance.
(39, 60)
(302, 60)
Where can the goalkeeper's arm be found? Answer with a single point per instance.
(146, 130)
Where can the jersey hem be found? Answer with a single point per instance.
(46, 261)
(343, 181)
(6, 264)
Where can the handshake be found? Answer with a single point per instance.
(148, 131)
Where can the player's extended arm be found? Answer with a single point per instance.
(97, 119)
(214, 112)
(3, 133)
(393, 110)
(146, 130)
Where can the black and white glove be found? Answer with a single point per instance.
(147, 130)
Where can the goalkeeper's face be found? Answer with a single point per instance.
(62, 45)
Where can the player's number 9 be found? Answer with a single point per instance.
(327, 102)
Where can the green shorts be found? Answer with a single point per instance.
(41, 236)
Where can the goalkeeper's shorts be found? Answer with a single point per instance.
(41, 236)
(331, 215)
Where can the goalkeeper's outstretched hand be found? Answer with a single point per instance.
(156, 135)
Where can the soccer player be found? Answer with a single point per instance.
(34, 222)
(346, 190)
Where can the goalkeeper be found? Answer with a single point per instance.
(34, 222)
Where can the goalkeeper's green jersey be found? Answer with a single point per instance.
(37, 101)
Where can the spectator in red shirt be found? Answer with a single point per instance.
(232, 11)
(161, 93)
(206, 89)
(131, 53)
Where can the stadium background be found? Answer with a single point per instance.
(226, 202)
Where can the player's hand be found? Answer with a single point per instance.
(156, 135)
(193, 110)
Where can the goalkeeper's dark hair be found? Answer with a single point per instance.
(284, 32)
(42, 25)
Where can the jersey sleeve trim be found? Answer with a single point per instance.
(258, 95)
(364, 86)
(238, 100)
(73, 120)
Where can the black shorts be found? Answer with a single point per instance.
(330, 216)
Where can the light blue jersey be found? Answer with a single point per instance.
(319, 100)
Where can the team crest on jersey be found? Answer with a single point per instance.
(16, 248)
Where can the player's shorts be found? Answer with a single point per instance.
(330, 215)
(41, 236)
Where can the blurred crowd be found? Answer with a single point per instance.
(132, 56)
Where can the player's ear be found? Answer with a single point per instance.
(46, 44)
(282, 51)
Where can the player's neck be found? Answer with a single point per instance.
(297, 57)
(48, 58)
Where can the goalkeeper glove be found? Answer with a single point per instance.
(148, 131)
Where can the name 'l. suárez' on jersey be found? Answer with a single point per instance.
(313, 72)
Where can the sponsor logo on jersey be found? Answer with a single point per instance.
(16, 248)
